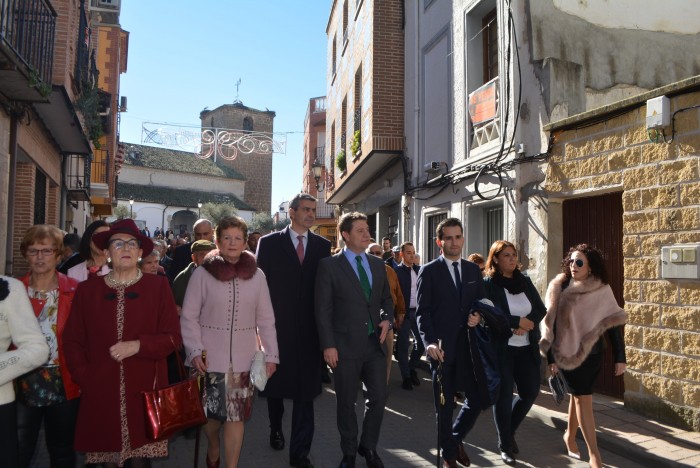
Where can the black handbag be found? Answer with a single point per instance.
(559, 387)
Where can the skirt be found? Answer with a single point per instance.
(228, 397)
(582, 379)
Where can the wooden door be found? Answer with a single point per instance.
(597, 221)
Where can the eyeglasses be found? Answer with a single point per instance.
(120, 244)
(44, 252)
(578, 262)
(377, 253)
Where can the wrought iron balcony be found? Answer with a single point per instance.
(320, 153)
(77, 173)
(27, 30)
(324, 210)
(100, 167)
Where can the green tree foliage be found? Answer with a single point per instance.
(264, 223)
(121, 212)
(214, 212)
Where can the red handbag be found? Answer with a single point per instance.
(173, 408)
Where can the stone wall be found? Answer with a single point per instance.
(660, 185)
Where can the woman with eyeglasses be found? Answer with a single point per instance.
(47, 394)
(580, 308)
(519, 357)
(120, 330)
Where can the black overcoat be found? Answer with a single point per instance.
(291, 284)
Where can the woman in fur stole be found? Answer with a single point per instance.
(580, 308)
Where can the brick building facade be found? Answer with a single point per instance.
(365, 106)
(255, 166)
(659, 183)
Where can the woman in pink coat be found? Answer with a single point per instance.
(227, 311)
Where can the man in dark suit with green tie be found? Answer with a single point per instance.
(354, 312)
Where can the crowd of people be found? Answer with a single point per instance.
(95, 320)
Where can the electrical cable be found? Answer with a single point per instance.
(673, 122)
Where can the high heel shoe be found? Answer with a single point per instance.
(213, 464)
(569, 453)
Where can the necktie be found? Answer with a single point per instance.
(458, 279)
(364, 282)
(300, 249)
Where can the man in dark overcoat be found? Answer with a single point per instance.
(289, 259)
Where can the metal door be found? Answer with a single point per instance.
(597, 221)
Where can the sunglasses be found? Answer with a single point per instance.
(377, 253)
(578, 262)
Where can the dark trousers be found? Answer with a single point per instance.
(302, 424)
(8, 434)
(518, 366)
(371, 370)
(408, 328)
(451, 434)
(59, 429)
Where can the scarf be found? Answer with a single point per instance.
(223, 270)
(514, 285)
(576, 318)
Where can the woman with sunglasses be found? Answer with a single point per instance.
(580, 308)
(120, 330)
(47, 394)
(519, 357)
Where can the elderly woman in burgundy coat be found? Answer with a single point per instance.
(120, 330)
(227, 312)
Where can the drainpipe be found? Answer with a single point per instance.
(14, 129)
(62, 205)
(162, 220)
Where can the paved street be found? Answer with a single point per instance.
(408, 437)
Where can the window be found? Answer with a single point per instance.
(493, 225)
(432, 250)
(490, 40)
(331, 156)
(343, 124)
(40, 198)
(345, 22)
(358, 100)
(247, 124)
(335, 53)
(481, 54)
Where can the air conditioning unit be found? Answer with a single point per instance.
(122, 104)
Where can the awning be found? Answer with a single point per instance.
(60, 119)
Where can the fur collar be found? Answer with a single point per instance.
(223, 270)
(576, 318)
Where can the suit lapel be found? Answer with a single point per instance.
(288, 245)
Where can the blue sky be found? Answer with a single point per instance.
(185, 56)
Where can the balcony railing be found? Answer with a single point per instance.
(28, 28)
(357, 120)
(77, 181)
(484, 114)
(320, 153)
(324, 210)
(320, 104)
(100, 167)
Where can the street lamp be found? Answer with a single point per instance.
(131, 207)
(199, 209)
(317, 169)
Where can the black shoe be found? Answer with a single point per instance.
(514, 446)
(348, 461)
(371, 457)
(407, 384)
(507, 458)
(414, 378)
(301, 462)
(277, 440)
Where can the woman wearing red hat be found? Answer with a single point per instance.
(121, 328)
